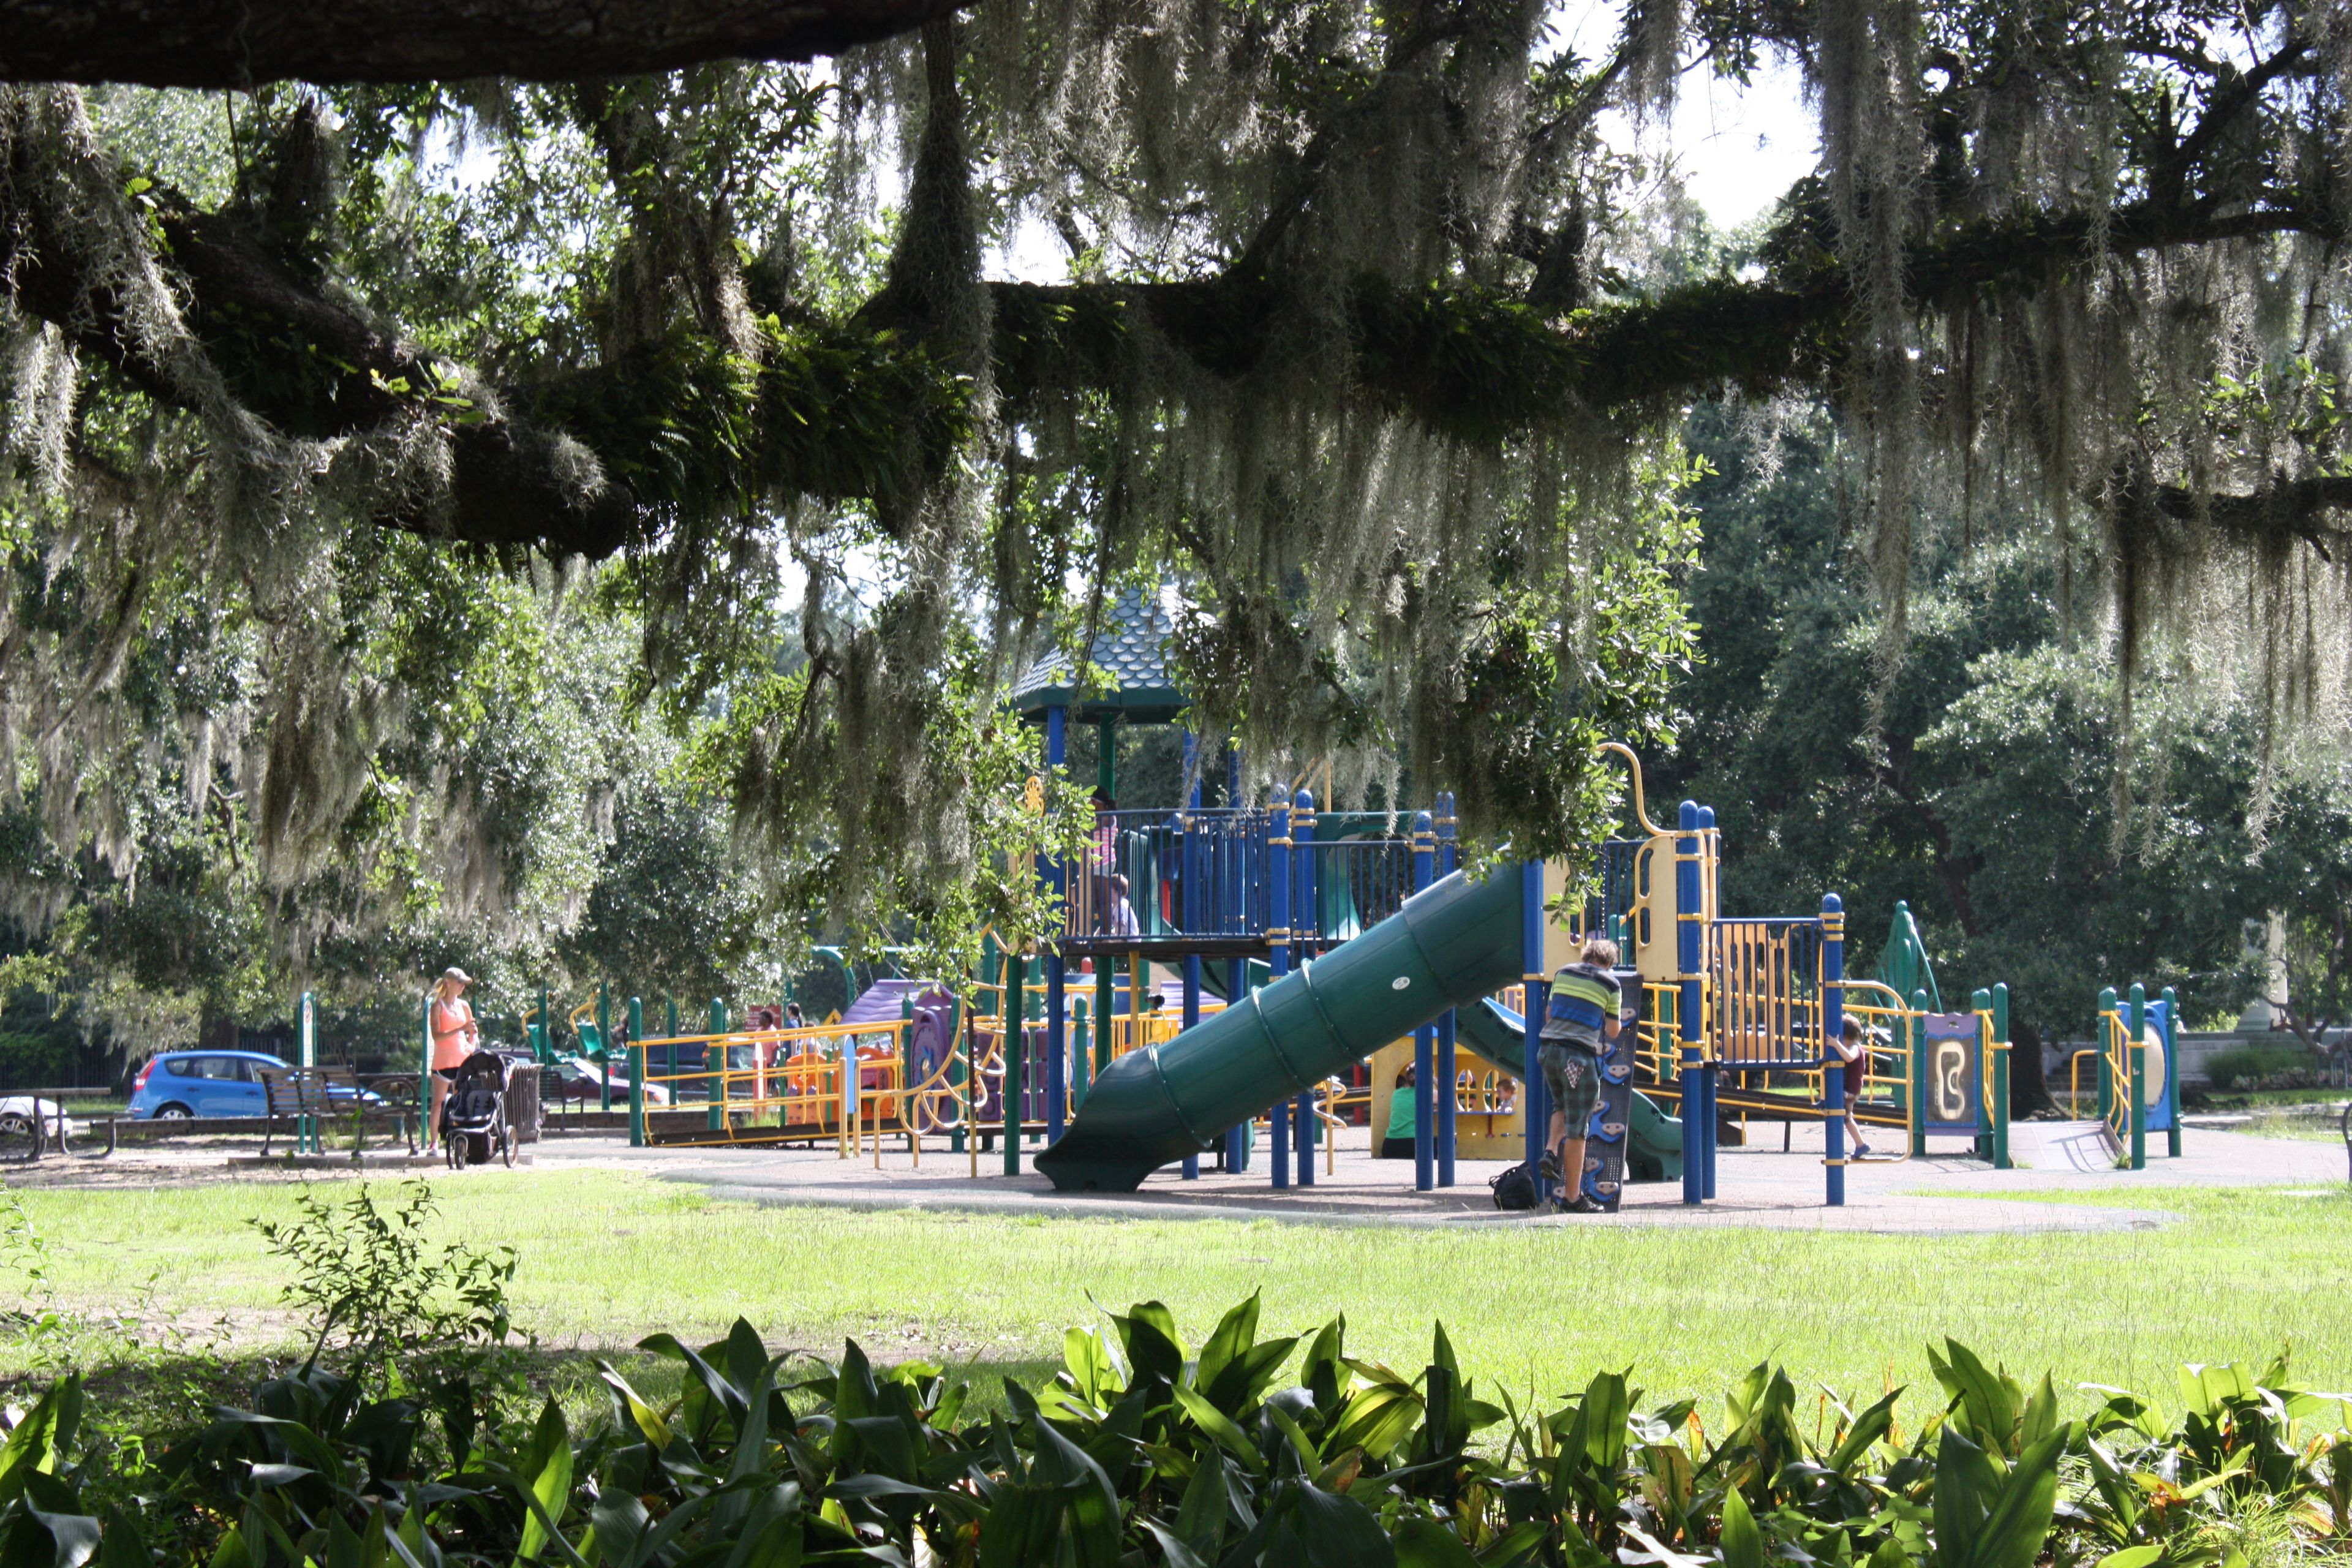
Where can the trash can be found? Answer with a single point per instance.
(523, 1111)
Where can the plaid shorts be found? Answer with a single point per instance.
(1572, 1078)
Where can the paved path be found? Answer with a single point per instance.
(1947, 1192)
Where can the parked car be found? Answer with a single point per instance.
(19, 1112)
(180, 1084)
(577, 1077)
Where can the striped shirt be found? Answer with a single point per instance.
(1583, 1000)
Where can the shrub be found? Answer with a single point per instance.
(2251, 1066)
(1144, 1451)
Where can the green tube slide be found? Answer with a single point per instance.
(1447, 947)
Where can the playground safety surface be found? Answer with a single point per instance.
(1948, 1191)
(1756, 1186)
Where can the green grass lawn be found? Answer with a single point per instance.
(2314, 1128)
(607, 1257)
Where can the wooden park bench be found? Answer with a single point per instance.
(298, 1092)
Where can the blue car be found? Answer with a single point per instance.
(180, 1084)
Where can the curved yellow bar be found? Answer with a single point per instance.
(1640, 812)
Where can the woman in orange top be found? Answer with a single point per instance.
(455, 1038)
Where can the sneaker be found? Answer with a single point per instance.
(1548, 1167)
(1579, 1203)
(1861, 1149)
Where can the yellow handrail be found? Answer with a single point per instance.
(1641, 812)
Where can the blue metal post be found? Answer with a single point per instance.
(1832, 1026)
(1687, 916)
(1237, 1135)
(1058, 874)
(1014, 1091)
(1833, 1138)
(1709, 1075)
(1277, 963)
(1538, 999)
(1307, 921)
(1425, 1040)
(1447, 1068)
(1194, 867)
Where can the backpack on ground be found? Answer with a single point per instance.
(1514, 1189)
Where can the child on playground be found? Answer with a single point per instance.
(1396, 1143)
(1122, 913)
(1581, 1020)
(1853, 1049)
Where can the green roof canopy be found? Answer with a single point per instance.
(1130, 654)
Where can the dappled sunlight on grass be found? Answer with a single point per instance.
(608, 1256)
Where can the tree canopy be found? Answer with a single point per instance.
(1357, 327)
(1980, 784)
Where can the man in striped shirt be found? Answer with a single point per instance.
(1581, 1020)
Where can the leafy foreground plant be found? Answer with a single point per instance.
(1141, 1452)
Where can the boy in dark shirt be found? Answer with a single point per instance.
(1580, 1021)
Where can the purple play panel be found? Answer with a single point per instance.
(884, 1000)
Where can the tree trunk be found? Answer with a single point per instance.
(2028, 1086)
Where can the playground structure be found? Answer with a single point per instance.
(1382, 950)
(2138, 1072)
(1221, 974)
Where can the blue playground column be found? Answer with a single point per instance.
(1194, 867)
(1057, 1043)
(1237, 1135)
(1277, 963)
(1306, 932)
(1538, 1000)
(1710, 1076)
(1688, 912)
(1015, 1082)
(1447, 1069)
(1833, 1070)
(1425, 1040)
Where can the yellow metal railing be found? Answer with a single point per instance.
(2115, 1054)
(2074, 1078)
(760, 1084)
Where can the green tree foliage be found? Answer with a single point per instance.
(1986, 777)
(1355, 330)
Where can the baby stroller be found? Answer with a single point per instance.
(473, 1114)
